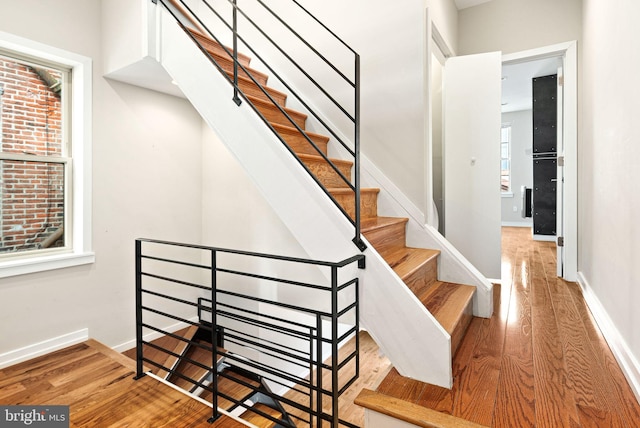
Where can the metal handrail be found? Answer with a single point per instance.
(163, 289)
(353, 149)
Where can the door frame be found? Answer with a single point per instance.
(568, 256)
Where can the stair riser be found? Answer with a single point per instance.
(250, 88)
(461, 328)
(385, 238)
(327, 175)
(217, 50)
(227, 66)
(422, 279)
(299, 144)
(368, 204)
(226, 62)
(273, 114)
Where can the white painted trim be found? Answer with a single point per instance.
(81, 151)
(41, 348)
(628, 362)
(516, 224)
(21, 266)
(569, 52)
(546, 238)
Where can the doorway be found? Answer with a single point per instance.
(566, 54)
(560, 60)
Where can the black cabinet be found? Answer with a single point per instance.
(545, 143)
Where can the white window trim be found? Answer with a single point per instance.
(507, 193)
(81, 133)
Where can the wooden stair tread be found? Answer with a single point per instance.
(245, 59)
(385, 233)
(341, 191)
(409, 412)
(373, 223)
(406, 260)
(318, 158)
(448, 302)
(292, 130)
(246, 83)
(259, 420)
(267, 106)
(218, 51)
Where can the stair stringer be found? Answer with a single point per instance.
(415, 342)
(397, 321)
(453, 266)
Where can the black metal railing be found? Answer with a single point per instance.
(335, 89)
(271, 326)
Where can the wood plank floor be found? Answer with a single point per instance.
(97, 384)
(540, 361)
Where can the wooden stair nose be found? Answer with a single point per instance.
(452, 305)
(372, 223)
(409, 412)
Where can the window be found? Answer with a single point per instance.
(45, 98)
(505, 158)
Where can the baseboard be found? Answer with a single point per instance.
(628, 362)
(41, 348)
(516, 224)
(547, 238)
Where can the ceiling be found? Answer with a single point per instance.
(516, 82)
(463, 4)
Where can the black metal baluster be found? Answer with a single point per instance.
(139, 351)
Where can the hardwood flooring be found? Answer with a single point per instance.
(98, 386)
(540, 361)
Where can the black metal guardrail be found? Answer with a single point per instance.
(236, 25)
(282, 319)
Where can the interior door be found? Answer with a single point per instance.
(472, 120)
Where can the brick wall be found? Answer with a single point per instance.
(32, 192)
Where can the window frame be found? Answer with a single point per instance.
(509, 192)
(79, 252)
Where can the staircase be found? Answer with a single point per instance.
(449, 303)
(241, 392)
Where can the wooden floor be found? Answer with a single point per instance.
(97, 384)
(540, 361)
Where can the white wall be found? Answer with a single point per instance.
(609, 245)
(146, 183)
(521, 164)
(512, 26)
(392, 42)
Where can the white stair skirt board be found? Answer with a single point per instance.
(629, 364)
(416, 344)
(41, 348)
